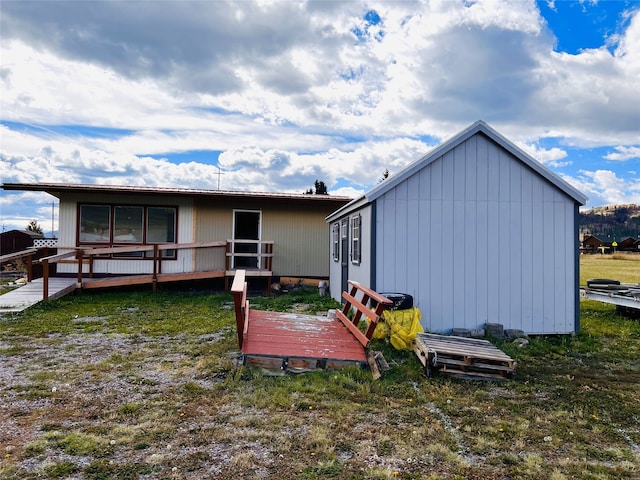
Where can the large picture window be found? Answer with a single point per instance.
(95, 223)
(355, 239)
(126, 225)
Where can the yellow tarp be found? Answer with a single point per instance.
(400, 326)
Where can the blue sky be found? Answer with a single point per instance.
(275, 95)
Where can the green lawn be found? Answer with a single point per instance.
(133, 385)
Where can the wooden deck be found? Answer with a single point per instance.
(295, 342)
(31, 293)
(34, 291)
(292, 342)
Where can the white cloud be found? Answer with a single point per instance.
(289, 93)
(624, 153)
(604, 187)
(551, 157)
(310, 70)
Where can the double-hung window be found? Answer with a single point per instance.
(355, 239)
(335, 239)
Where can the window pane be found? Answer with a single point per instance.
(355, 239)
(161, 225)
(94, 223)
(127, 225)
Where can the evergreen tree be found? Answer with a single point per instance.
(321, 188)
(34, 227)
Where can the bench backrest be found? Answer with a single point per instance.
(358, 299)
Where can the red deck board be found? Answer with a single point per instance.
(323, 343)
(304, 336)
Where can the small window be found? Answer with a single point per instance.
(345, 228)
(336, 241)
(355, 239)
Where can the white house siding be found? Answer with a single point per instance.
(476, 236)
(357, 272)
(68, 223)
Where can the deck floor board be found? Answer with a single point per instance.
(287, 335)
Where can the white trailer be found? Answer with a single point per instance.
(625, 295)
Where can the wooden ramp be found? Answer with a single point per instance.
(31, 293)
(463, 357)
(294, 343)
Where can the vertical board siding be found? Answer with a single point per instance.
(476, 236)
(214, 223)
(413, 244)
(301, 244)
(357, 272)
(362, 272)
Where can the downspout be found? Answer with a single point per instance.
(576, 242)
(372, 252)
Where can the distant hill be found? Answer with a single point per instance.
(613, 222)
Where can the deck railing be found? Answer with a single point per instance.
(23, 256)
(262, 253)
(249, 254)
(27, 257)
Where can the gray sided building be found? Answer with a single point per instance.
(477, 231)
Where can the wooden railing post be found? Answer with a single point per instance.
(45, 279)
(239, 292)
(156, 261)
(29, 267)
(227, 257)
(79, 260)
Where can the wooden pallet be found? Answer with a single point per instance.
(463, 357)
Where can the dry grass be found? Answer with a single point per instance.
(142, 386)
(620, 266)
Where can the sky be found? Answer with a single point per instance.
(272, 95)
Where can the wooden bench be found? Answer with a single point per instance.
(297, 342)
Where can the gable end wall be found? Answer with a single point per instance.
(476, 236)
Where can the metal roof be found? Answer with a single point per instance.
(56, 189)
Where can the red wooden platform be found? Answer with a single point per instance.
(295, 342)
(291, 341)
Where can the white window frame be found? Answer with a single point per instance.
(335, 239)
(356, 239)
